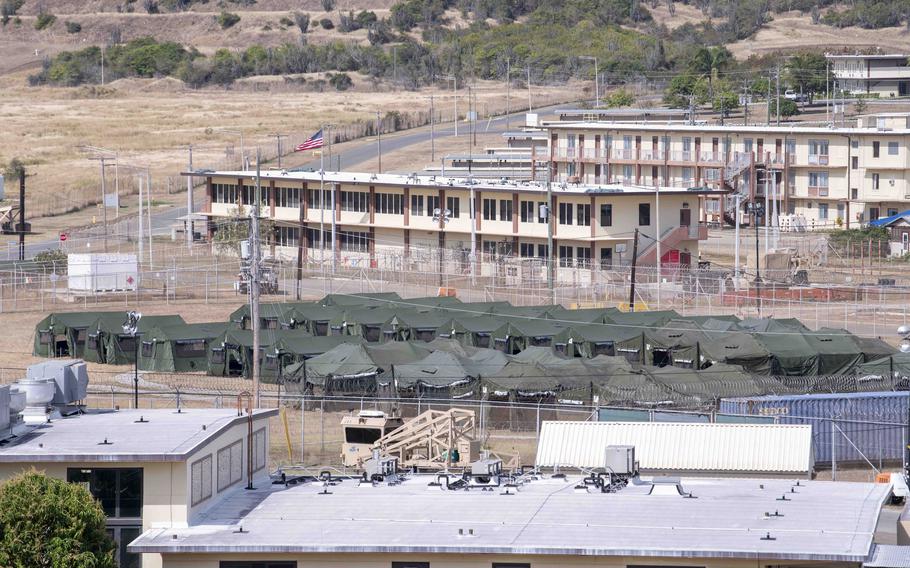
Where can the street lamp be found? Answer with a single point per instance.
(596, 79)
(242, 153)
(757, 209)
(904, 332)
(130, 327)
(441, 216)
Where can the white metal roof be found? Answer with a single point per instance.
(681, 447)
(728, 518)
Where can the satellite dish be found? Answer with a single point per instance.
(905, 347)
(903, 330)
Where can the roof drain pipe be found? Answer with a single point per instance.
(249, 440)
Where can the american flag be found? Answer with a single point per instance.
(311, 143)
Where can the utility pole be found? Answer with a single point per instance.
(432, 130)
(828, 99)
(778, 93)
(473, 217)
(550, 252)
(746, 94)
(508, 92)
(736, 247)
(755, 211)
(139, 240)
(254, 276)
(103, 201)
(632, 275)
(278, 138)
(189, 201)
(768, 119)
(21, 228)
(148, 210)
(657, 236)
(530, 107)
(378, 142)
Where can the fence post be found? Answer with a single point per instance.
(322, 425)
(833, 454)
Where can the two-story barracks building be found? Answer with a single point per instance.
(382, 218)
(831, 176)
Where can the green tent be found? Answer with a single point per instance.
(272, 315)
(644, 320)
(591, 340)
(529, 312)
(231, 354)
(475, 331)
(772, 325)
(292, 348)
(441, 374)
(313, 318)
(108, 343)
(885, 373)
(413, 326)
(676, 343)
(178, 348)
(516, 334)
(738, 348)
(342, 370)
(363, 322)
(838, 352)
(362, 300)
(64, 334)
(586, 315)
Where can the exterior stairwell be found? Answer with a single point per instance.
(670, 240)
(741, 163)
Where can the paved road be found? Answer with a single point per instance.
(352, 154)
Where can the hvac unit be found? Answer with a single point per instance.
(620, 460)
(70, 377)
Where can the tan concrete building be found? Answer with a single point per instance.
(819, 177)
(148, 468)
(879, 75)
(399, 221)
(536, 521)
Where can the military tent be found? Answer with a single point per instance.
(838, 352)
(476, 331)
(886, 373)
(413, 326)
(676, 343)
(108, 343)
(178, 347)
(585, 315)
(644, 320)
(591, 340)
(347, 369)
(64, 334)
(231, 354)
(363, 322)
(314, 318)
(517, 334)
(361, 300)
(441, 374)
(739, 348)
(272, 315)
(772, 325)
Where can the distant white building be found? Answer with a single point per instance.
(885, 75)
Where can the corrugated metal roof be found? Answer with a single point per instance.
(682, 447)
(889, 556)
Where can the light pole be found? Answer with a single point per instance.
(442, 217)
(131, 327)
(454, 80)
(757, 210)
(596, 79)
(904, 332)
(278, 138)
(242, 153)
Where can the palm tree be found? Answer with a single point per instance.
(708, 61)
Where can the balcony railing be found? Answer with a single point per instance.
(652, 155)
(818, 159)
(818, 191)
(623, 154)
(711, 157)
(683, 156)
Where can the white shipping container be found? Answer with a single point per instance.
(2, 190)
(101, 272)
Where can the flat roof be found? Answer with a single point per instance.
(867, 56)
(819, 521)
(455, 182)
(680, 127)
(119, 436)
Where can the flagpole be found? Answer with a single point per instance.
(322, 202)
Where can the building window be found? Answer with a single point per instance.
(505, 209)
(230, 465)
(565, 256)
(873, 213)
(606, 214)
(644, 214)
(287, 236)
(818, 179)
(356, 201)
(876, 149)
(818, 152)
(565, 213)
(840, 211)
(526, 250)
(119, 490)
(410, 565)
(287, 197)
(313, 201)
(543, 251)
(875, 181)
(823, 211)
(259, 449)
(453, 204)
(584, 256)
(854, 162)
(389, 203)
(892, 148)
(354, 241)
(687, 175)
(416, 205)
(606, 258)
(627, 173)
(257, 564)
(432, 205)
(528, 211)
(201, 480)
(891, 212)
(747, 145)
(489, 209)
(583, 214)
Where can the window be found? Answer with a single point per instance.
(583, 214)
(747, 145)
(287, 197)
(489, 209)
(230, 465)
(201, 480)
(119, 490)
(361, 435)
(453, 204)
(627, 173)
(259, 449)
(147, 346)
(410, 565)
(262, 564)
(854, 162)
(356, 201)
(687, 175)
(892, 148)
(876, 149)
(526, 250)
(389, 204)
(190, 348)
(432, 205)
(416, 205)
(875, 181)
(584, 256)
(543, 251)
(644, 214)
(823, 211)
(606, 214)
(606, 258)
(287, 236)
(818, 179)
(565, 256)
(565, 213)
(505, 209)
(817, 148)
(873, 213)
(891, 210)
(528, 211)
(313, 201)
(354, 241)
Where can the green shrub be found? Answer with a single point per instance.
(620, 98)
(44, 21)
(326, 23)
(303, 21)
(286, 22)
(73, 27)
(227, 19)
(341, 81)
(328, 5)
(8, 9)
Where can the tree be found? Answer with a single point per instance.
(302, 20)
(47, 522)
(788, 108)
(236, 228)
(328, 5)
(805, 72)
(620, 98)
(709, 61)
(227, 19)
(14, 169)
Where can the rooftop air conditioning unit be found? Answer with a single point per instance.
(70, 377)
(620, 460)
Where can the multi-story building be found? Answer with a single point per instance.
(818, 176)
(881, 75)
(397, 220)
